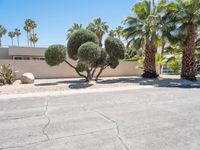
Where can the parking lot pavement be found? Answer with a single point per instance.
(156, 118)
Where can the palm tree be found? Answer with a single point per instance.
(33, 39)
(2, 32)
(74, 27)
(11, 35)
(17, 33)
(188, 19)
(142, 32)
(98, 27)
(29, 27)
(112, 33)
(118, 32)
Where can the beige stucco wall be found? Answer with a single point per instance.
(4, 53)
(41, 70)
(26, 51)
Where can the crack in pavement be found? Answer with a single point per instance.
(117, 127)
(48, 122)
(111, 120)
(69, 136)
(21, 146)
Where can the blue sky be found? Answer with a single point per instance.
(54, 17)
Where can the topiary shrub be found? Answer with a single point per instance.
(113, 62)
(83, 46)
(82, 66)
(89, 52)
(78, 38)
(55, 54)
(114, 47)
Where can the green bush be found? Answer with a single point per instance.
(89, 52)
(55, 54)
(102, 60)
(82, 66)
(113, 62)
(78, 38)
(175, 64)
(115, 48)
(7, 74)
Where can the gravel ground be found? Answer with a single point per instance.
(53, 85)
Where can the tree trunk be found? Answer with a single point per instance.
(12, 41)
(27, 39)
(189, 60)
(18, 40)
(100, 71)
(0, 42)
(149, 61)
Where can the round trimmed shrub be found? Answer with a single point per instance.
(102, 58)
(89, 52)
(77, 39)
(55, 54)
(82, 66)
(114, 47)
(113, 62)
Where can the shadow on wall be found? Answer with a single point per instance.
(161, 82)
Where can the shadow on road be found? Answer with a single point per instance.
(161, 82)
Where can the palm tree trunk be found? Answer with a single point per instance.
(189, 60)
(18, 40)
(0, 42)
(149, 62)
(27, 39)
(12, 41)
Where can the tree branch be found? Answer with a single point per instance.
(81, 75)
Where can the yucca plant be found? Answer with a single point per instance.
(7, 74)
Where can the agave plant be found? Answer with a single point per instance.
(7, 74)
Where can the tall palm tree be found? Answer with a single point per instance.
(99, 27)
(74, 27)
(11, 35)
(34, 39)
(2, 32)
(188, 19)
(17, 33)
(29, 27)
(118, 32)
(142, 32)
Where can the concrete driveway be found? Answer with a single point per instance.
(134, 119)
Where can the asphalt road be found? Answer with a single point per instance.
(138, 119)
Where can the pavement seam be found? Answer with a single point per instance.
(48, 122)
(21, 146)
(117, 127)
(111, 120)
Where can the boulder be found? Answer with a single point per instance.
(27, 78)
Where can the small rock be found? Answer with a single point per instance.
(27, 78)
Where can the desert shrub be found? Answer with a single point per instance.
(89, 52)
(7, 74)
(78, 38)
(55, 54)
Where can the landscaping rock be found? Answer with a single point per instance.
(27, 78)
